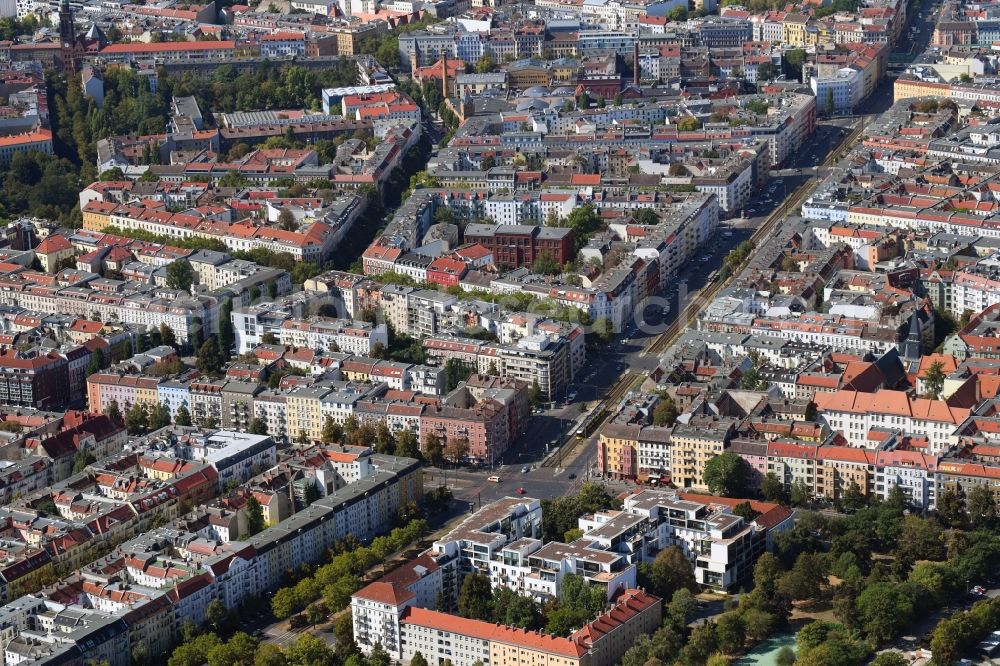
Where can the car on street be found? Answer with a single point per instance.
(525, 469)
(571, 476)
(520, 491)
(493, 479)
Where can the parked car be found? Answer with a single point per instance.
(525, 469)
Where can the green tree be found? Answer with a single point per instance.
(418, 659)
(237, 651)
(194, 652)
(767, 573)
(512, 609)
(255, 516)
(668, 572)
(285, 603)
(766, 71)
(727, 474)
(688, 124)
(665, 413)
(800, 495)
(167, 336)
(890, 658)
(332, 432)
(384, 440)
(343, 634)
(310, 494)
(96, 362)
(702, 643)
(258, 426)
(681, 609)
(852, 500)
(233, 179)
(752, 381)
(433, 450)
(949, 508)
(920, 539)
(216, 614)
(745, 511)
(805, 578)
(407, 445)
(485, 64)
(159, 417)
(884, 609)
(475, 597)
(210, 357)
(730, 632)
(545, 264)
(180, 275)
(309, 650)
(562, 513)
(286, 219)
(81, 459)
(455, 373)
(604, 329)
(815, 634)
(137, 420)
(535, 394)
(269, 654)
(933, 380)
(981, 507)
(793, 61)
(183, 417)
(114, 412)
(773, 489)
(785, 656)
(941, 580)
(584, 221)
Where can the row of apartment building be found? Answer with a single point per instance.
(136, 600)
(501, 542)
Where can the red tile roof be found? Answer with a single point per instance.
(384, 593)
(630, 604)
(532, 640)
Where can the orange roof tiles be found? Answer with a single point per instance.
(890, 402)
(386, 593)
(487, 631)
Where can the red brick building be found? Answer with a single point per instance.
(33, 380)
(446, 271)
(519, 245)
(483, 425)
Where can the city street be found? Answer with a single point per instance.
(627, 353)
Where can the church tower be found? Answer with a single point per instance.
(911, 346)
(67, 37)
